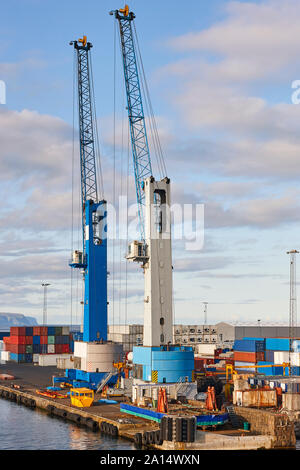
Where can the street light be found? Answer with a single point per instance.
(45, 285)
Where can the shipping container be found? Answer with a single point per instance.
(51, 330)
(28, 331)
(249, 345)
(36, 331)
(51, 349)
(44, 331)
(58, 330)
(278, 344)
(17, 348)
(28, 339)
(28, 358)
(58, 348)
(44, 348)
(35, 358)
(17, 340)
(243, 356)
(28, 349)
(51, 339)
(43, 339)
(36, 348)
(17, 331)
(36, 340)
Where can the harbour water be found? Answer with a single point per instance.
(24, 429)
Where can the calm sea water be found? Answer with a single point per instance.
(25, 429)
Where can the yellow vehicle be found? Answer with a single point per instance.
(81, 397)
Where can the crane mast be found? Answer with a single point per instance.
(92, 260)
(138, 134)
(153, 197)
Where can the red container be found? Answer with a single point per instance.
(6, 339)
(17, 330)
(65, 348)
(58, 348)
(17, 340)
(44, 330)
(28, 340)
(36, 331)
(17, 348)
(44, 340)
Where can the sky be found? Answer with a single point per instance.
(220, 76)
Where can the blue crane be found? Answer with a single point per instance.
(92, 260)
(139, 141)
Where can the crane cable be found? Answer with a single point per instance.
(152, 122)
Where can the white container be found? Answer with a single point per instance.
(65, 362)
(35, 358)
(280, 357)
(5, 355)
(65, 330)
(295, 359)
(50, 359)
(51, 348)
(206, 349)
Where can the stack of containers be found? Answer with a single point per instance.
(25, 344)
(247, 353)
(277, 353)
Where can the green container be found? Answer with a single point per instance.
(58, 331)
(246, 426)
(28, 348)
(51, 339)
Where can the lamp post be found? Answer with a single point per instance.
(45, 285)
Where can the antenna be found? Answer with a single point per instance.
(45, 285)
(293, 302)
(205, 312)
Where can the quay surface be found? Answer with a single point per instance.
(30, 377)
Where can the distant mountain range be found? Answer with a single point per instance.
(15, 319)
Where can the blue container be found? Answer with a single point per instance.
(36, 348)
(249, 345)
(36, 339)
(44, 348)
(269, 356)
(28, 331)
(28, 358)
(65, 339)
(278, 344)
(265, 370)
(51, 330)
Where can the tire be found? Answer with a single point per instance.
(151, 437)
(51, 409)
(157, 439)
(114, 431)
(138, 440)
(145, 438)
(90, 423)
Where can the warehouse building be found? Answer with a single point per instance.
(221, 334)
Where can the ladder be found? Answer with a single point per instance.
(233, 417)
(105, 380)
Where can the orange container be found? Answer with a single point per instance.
(43, 339)
(242, 356)
(36, 330)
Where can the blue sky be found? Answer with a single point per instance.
(220, 76)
